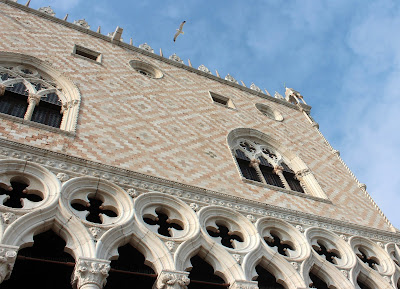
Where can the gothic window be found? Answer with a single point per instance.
(32, 95)
(202, 275)
(130, 268)
(26, 94)
(261, 163)
(45, 257)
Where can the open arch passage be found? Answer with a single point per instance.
(266, 280)
(44, 265)
(129, 270)
(202, 276)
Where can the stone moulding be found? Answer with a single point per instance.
(74, 167)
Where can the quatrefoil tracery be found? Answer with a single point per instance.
(19, 196)
(166, 226)
(227, 237)
(93, 209)
(282, 246)
(371, 261)
(329, 254)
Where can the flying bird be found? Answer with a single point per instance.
(179, 31)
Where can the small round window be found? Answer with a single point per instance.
(269, 112)
(145, 69)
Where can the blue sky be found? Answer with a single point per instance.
(343, 56)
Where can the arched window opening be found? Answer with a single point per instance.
(317, 282)
(29, 95)
(261, 163)
(266, 280)
(130, 270)
(44, 265)
(202, 276)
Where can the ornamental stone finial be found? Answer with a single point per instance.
(48, 10)
(255, 87)
(231, 79)
(204, 69)
(176, 58)
(83, 23)
(172, 280)
(242, 284)
(146, 47)
(90, 271)
(278, 95)
(8, 254)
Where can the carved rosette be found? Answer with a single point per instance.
(82, 23)
(8, 254)
(172, 280)
(90, 271)
(244, 285)
(204, 69)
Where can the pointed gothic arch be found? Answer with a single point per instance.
(51, 97)
(261, 158)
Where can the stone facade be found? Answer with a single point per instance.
(148, 142)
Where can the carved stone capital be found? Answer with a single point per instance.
(255, 163)
(90, 271)
(8, 254)
(34, 99)
(278, 170)
(172, 280)
(2, 89)
(242, 284)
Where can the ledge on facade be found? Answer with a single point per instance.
(153, 55)
(37, 125)
(283, 190)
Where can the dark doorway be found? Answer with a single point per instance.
(44, 265)
(317, 282)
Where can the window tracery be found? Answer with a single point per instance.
(261, 163)
(30, 95)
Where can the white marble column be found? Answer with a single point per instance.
(33, 100)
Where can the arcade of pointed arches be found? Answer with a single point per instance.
(95, 220)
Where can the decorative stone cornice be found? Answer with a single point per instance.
(8, 254)
(90, 271)
(243, 284)
(74, 167)
(172, 280)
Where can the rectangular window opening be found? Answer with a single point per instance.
(87, 53)
(225, 101)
